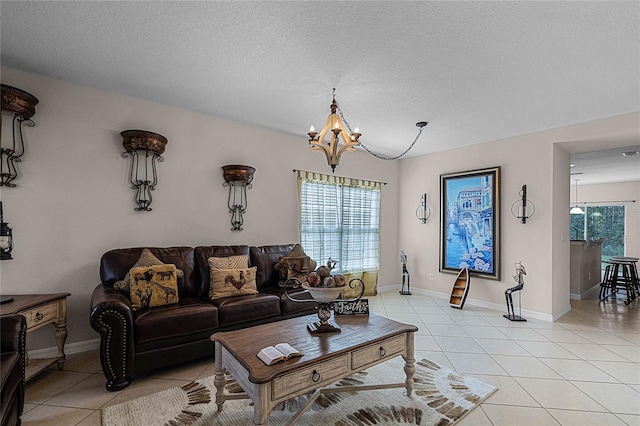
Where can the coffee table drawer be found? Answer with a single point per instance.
(309, 378)
(379, 351)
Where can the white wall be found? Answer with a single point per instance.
(73, 201)
(538, 160)
(610, 193)
(523, 160)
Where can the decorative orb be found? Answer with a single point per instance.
(313, 279)
(328, 282)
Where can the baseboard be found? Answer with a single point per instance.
(69, 349)
(480, 303)
(587, 294)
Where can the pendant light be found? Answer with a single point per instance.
(576, 209)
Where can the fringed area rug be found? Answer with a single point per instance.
(441, 397)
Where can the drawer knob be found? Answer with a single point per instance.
(39, 316)
(315, 376)
(382, 351)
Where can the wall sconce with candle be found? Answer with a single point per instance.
(6, 237)
(523, 209)
(145, 149)
(423, 212)
(238, 178)
(23, 107)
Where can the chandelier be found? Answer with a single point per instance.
(342, 139)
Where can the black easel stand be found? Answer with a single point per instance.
(407, 276)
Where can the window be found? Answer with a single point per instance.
(601, 222)
(340, 219)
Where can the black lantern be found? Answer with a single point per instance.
(6, 238)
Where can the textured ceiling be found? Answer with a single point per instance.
(476, 71)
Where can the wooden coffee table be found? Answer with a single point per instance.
(364, 341)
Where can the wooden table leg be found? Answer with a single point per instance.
(219, 381)
(409, 363)
(61, 337)
(260, 406)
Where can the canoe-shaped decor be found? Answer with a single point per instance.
(460, 289)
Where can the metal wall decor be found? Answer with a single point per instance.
(23, 107)
(238, 178)
(423, 212)
(145, 149)
(6, 238)
(525, 208)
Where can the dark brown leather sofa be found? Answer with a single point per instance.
(13, 352)
(136, 341)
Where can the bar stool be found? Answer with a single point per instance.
(621, 273)
(605, 285)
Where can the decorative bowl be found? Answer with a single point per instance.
(323, 294)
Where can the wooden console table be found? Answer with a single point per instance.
(363, 342)
(41, 310)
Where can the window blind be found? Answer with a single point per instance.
(340, 219)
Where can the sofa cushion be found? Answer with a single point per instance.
(232, 282)
(153, 286)
(146, 259)
(190, 315)
(201, 255)
(242, 309)
(265, 258)
(115, 264)
(228, 262)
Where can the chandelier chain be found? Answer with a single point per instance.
(346, 123)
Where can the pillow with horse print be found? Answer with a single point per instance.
(146, 259)
(233, 282)
(152, 286)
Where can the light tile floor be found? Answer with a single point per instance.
(583, 369)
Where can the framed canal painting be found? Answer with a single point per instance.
(470, 222)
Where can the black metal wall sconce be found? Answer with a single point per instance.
(145, 149)
(525, 208)
(423, 212)
(238, 178)
(23, 107)
(6, 237)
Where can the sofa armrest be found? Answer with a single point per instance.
(14, 337)
(112, 317)
(14, 329)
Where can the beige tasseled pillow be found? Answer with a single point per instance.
(146, 259)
